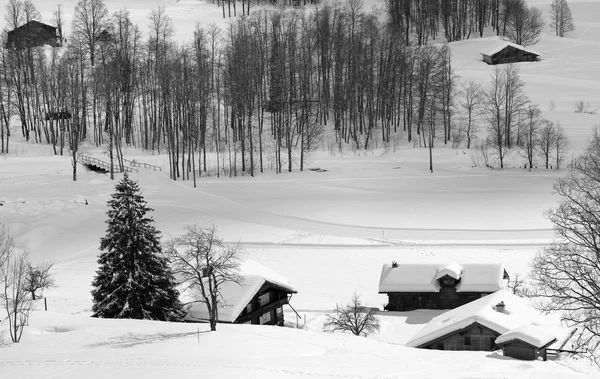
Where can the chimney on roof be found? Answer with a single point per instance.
(394, 264)
(500, 307)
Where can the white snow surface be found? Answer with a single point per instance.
(531, 334)
(517, 312)
(423, 277)
(236, 296)
(328, 232)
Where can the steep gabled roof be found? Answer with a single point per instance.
(504, 44)
(423, 277)
(236, 296)
(517, 313)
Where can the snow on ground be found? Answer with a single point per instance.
(328, 232)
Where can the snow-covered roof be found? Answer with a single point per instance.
(517, 312)
(531, 334)
(236, 296)
(504, 44)
(423, 277)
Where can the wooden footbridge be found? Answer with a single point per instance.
(100, 164)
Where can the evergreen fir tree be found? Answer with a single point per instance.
(134, 279)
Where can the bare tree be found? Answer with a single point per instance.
(547, 141)
(89, 20)
(561, 20)
(566, 274)
(495, 97)
(13, 293)
(524, 26)
(203, 263)
(38, 278)
(561, 145)
(470, 102)
(533, 123)
(353, 317)
(518, 286)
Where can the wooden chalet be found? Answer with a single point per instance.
(508, 52)
(479, 326)
(528, 342)
(33, 34)
(258, 299)
(438, 286)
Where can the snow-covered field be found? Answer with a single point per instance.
(328, 232)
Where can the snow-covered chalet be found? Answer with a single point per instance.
(413, 286)
(258, 299)
(500, 320)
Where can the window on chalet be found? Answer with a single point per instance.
(279, 311)
(249, 308)
(265, 318)
(448, 282)
(467, 340)
(264, 299)
(440, 346)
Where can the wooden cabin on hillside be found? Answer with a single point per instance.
(33, 34)
(413, 286)
(259, 299)
(488, 323)
(508, 52)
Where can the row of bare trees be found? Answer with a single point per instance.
(510, 119)
(421, 21)
(259, 94)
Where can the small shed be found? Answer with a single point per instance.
(33, 34)
(508, 52)
(527, 342)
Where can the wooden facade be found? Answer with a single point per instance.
(446, 298)
(474, 337)
(510, 54)
(33, 34)
(266, 307)
(522, 350)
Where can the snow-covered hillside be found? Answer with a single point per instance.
(328, 233)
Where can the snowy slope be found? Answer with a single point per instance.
(327, 232)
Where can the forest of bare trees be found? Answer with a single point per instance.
(259, 95)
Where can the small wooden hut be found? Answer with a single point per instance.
(528, 342)
(508, 52)
(33, 34)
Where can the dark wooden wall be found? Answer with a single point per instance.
(521, 350)
(252, 314)
(473, 338)
(447, 298)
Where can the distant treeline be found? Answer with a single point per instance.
(259, 94)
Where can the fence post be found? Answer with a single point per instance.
(45, 304)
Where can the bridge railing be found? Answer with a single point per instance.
(92, 161)
(148, 166)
